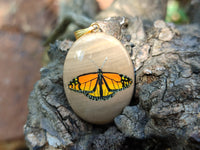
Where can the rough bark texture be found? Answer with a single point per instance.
(147, 10)
(166, 113)
(75, 14)
(194, 11)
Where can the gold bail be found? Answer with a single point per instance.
(92, 28)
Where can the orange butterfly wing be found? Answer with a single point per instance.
(83, 83)
(100, 85)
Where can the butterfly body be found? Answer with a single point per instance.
(99, 85)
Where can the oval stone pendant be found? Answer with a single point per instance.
(98, 78)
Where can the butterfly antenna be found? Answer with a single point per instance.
(104, 62)
(94, 63)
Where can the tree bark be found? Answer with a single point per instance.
(166, 106)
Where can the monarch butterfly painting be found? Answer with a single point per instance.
(100, 85)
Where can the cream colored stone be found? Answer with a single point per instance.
(87, 55)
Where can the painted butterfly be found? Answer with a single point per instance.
(100, 85)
